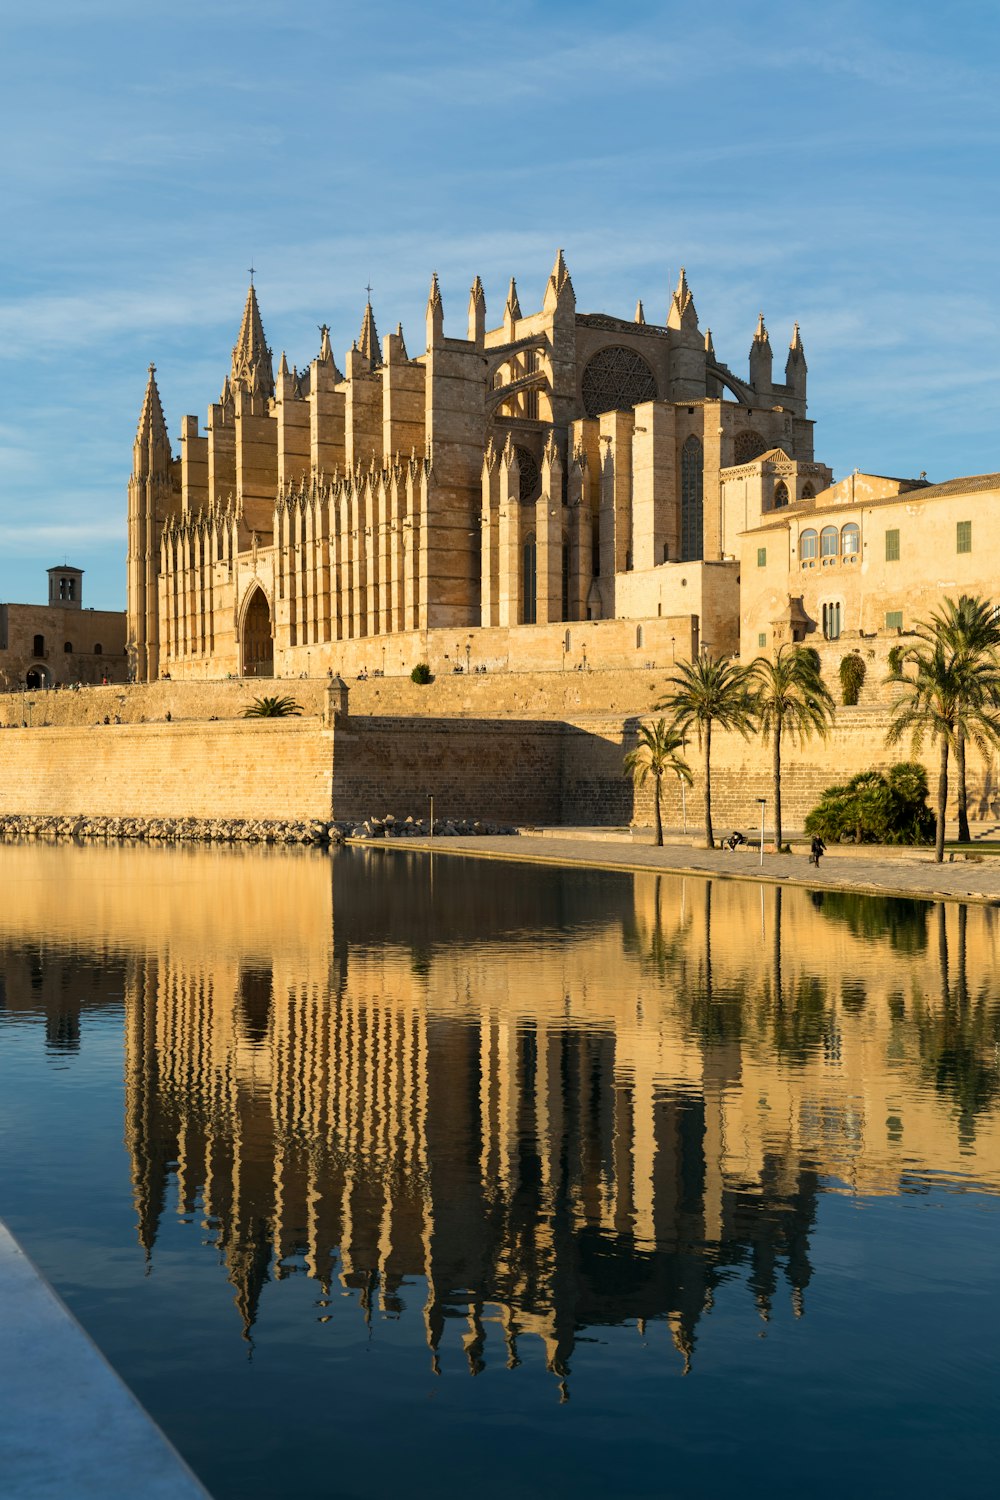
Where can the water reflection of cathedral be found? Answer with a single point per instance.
(531, 1104)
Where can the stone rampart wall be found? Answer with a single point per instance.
(279, 769)
(526, 770)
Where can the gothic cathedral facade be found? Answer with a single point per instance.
(561, 467)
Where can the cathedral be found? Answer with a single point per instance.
(486, 492)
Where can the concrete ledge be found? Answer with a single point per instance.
(68, 1425)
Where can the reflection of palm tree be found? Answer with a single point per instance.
(959, 1036)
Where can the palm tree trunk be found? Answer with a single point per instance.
(709, 833)
(777, 786)
(963, 791)
(657, 783)
(942, 801)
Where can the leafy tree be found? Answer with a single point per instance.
(876, 807)
(421, 673)
(790, 698)
(272, 708)
(970, 629)
(655, 755)
(704, 693)
(947, 693)
(852, 675)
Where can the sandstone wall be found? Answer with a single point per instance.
(279, 769)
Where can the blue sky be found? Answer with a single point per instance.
(835, 164)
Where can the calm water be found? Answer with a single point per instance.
(377, 1176)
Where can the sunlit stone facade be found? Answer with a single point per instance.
(559, 467)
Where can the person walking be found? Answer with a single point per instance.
(818, 849)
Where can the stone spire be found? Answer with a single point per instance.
(640, 312)
(325, 347)
(477, 313)
(435, 314)
(709, 346)
(796, 368)
(682, 312)
(559, 288)
(152, 444)
(761, 358)
(368, 338)
(511, 312)
(251, 356)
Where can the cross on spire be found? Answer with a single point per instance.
(251, 269)
(368, 289)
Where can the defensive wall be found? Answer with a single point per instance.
(526, 770)
(540, 747)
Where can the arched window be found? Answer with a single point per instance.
(567, 641)
(38, 646)
(68, 648)
(529, 580)
(829, 541)
(780, 493)
(638, 637)
(808, 545)
(692, 500)
(850, 539)
(565, 578)
(98, 649)
(808, 493)
(831, 621)
(530, 475)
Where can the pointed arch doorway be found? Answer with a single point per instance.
(257, 644)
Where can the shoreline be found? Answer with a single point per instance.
(910, 878)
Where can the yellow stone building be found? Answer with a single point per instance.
(561, 467)
(868, 557)
(59, 642)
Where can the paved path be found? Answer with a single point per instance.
(69, 1428)
(882, 873)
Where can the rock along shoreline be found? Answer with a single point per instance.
(317, 831)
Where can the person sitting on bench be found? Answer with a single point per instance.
(734, 840)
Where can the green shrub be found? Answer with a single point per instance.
(852, 675)
(421, 673)
(895, 661)
(876, 807)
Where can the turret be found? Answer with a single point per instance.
(682, 314)
(151, 450)
(150, 503)
(761, 360)
(559, 293)
(251, 371)
(477, 314)
(640, 312)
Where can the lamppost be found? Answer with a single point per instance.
(468, 657)
(763, 804)
(30, 705)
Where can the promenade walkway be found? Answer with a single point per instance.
(875, 870)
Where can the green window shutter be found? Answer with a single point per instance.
(892, 545)
(762, 638)
(894, 619)
(963, 536)
(762, 557)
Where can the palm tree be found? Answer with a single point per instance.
(703, 693)
(272, 708)
(790, 698)
(946, 694)
(971, 628)
(655, 755)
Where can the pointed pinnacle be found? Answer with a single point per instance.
(640, 314)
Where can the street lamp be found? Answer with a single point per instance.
(763, 804)
(468, 657)
(30, 705)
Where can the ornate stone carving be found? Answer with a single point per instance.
(616, 379)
